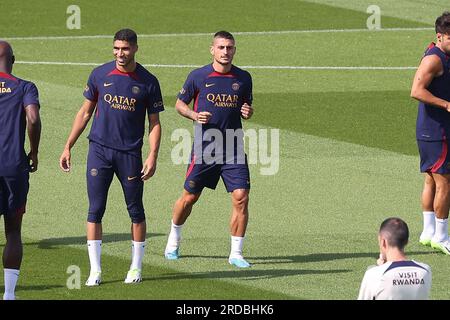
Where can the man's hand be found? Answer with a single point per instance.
(203, 117)
(33, 161)
(381, 260)
(246, 111)
(149, 168)
(64, 160)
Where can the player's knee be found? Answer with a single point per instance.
(137, 217)
(95, 217)
(189, 199)
(13, 223)
(96, 211)
(13, 235)
(442, 186)
(240, 198)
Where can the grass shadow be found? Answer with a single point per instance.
(314, 257)
(247, 274)
(51, 243)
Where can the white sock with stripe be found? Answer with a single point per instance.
(95, 253)
(137, 253)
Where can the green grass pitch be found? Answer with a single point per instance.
(348, 156)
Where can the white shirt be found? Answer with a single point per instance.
(398, 280)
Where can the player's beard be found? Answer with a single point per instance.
(224, 63)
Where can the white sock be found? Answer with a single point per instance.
(429, 224)
(236, 247)
(11, 277)
(95, 252)
(174, 237)
(441, 233)
(137, 253)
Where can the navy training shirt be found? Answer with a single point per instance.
(123, 100)
(15, 95)
(221, 94)
(433, 123)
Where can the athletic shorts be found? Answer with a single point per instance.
(201, 175)
(434, 156)
(13, 193)
(102, 164)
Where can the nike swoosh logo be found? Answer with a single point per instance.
(107, 84)
(209, 85)
(131, 178)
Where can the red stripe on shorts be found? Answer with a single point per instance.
(191, 166)
(442, 157)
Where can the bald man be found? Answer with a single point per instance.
(19, 104)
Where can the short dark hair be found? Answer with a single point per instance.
(126, 35)
(396, 232)
(442, 24)
(224, 34)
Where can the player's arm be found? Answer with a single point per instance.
(200, 117)
(154, 138)
(34, 134)
(429, 68)
(79, 124)
(381, 259)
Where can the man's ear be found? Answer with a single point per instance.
(384, 243)
(13, 59)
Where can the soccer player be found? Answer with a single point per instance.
(222, 94)
(431, 87)
(395, 277)
(19, 104)
(120, 93)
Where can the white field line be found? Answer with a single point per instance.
(250, 33)
(93, 64)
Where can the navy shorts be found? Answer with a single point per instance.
(102, 164)
(434, 156)
(13, 193)
(201, 175)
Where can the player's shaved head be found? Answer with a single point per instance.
(223, 35)
(395, 231)
(6, 57)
